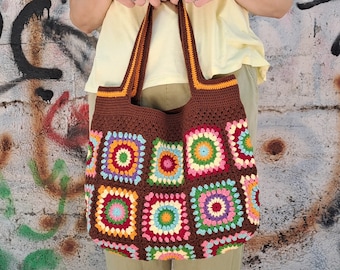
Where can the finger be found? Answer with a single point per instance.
(199, 3)
(139, 2)
(127, 3)
(175, 2)
(155, 3)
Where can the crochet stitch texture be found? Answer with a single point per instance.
(165, 186)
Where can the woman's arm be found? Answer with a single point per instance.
(267, 8)
(88, 15)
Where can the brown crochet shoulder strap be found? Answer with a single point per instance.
(195, 75)
(128, 87)
(134, 78)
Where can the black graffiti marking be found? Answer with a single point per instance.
(332, 213)
(311, 4)
(34, 8)
(1, 24)
(46, 95)
(4, 88)
(336, 46)
(61, 33)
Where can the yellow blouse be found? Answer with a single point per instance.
(224, 42)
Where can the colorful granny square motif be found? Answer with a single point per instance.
(251, 192)
(166, 163)
(92, 153)
(88, 201)
(129, 251)
(205, 152)
(240, 144)
(222, 245)
(123, 157)
(170, 253)
(217, 207)
(165, 218)
(116, 212)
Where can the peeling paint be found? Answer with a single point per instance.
(274, 149)
(6, 145)
(337, 82)
(69, 247)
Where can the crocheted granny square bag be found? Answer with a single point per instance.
(163, 186)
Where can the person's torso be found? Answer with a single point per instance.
(222, 33)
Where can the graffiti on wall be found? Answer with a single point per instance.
(1, 24)
(336, 44)
(35, 16)
(47, 105)
(51, 29)
(323, 213)
(328, 217)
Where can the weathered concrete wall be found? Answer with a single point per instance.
(43, 133)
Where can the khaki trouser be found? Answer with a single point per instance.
(232, 260)
(169, 97)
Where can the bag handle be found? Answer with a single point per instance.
(134, 77)
(195, 75)
(128, 87)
